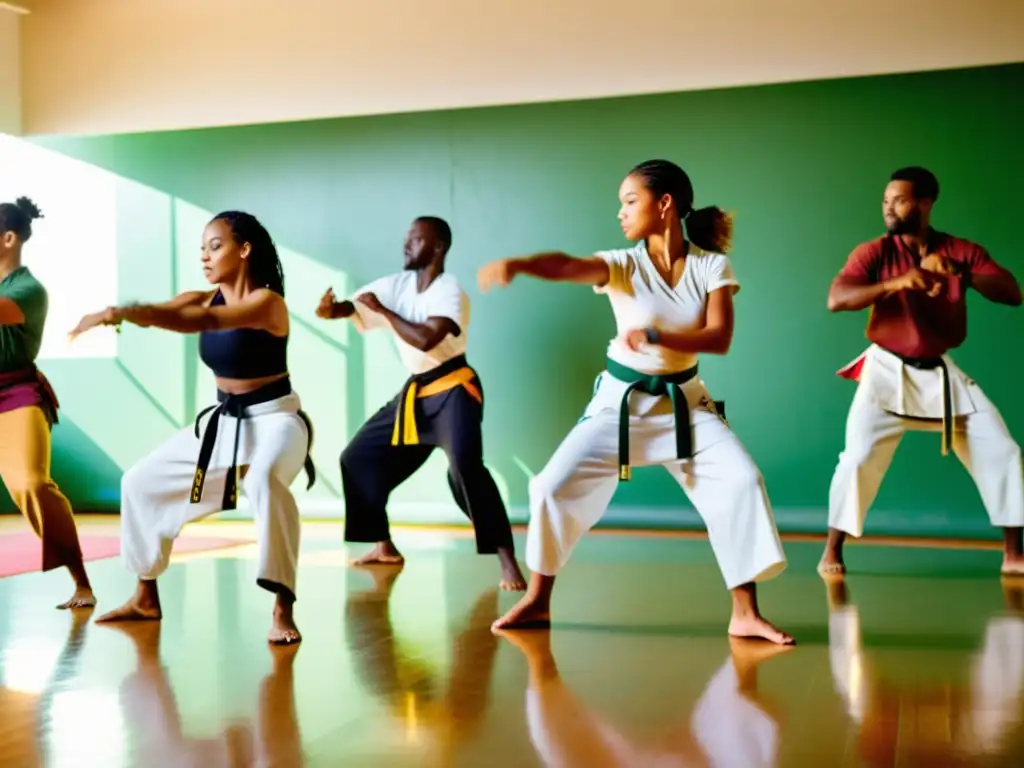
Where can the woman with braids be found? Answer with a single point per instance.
(672, 297)
(28, 406)
(256, 436)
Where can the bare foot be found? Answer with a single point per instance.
(512, 579)
(144, 605)
(756, 626)
(385, 553)
(831, 564)
(83, 598)
(528, 613)
(282, 629)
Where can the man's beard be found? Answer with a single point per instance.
(908, 226)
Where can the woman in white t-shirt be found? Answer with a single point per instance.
(672, 296)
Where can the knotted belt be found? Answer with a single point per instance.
(236, 406)
(662, 384)
(448, 375)
(939, 364)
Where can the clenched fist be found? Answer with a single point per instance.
(497, 273)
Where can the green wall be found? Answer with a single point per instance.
(802, 165)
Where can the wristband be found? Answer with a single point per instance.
(652, 335)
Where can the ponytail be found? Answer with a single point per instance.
(709, 228)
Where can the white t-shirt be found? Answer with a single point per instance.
(641, 298)
(443, 298)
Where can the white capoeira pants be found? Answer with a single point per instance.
(155, 492)
(573, 491)
(873, 431)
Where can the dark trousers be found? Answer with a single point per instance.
(371, 468)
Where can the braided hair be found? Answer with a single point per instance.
(708, 228)
(17, 217)
(264, 263)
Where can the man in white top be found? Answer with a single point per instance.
(441, 405)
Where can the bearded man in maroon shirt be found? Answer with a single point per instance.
(914, 278)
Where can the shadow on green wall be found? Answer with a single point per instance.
(71, 447)
(154, 383)
(803, 165)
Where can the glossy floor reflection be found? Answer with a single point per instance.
(917, 661)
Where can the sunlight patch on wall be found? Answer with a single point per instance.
(73, 250)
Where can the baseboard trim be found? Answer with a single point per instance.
(898, 524)
(790, 520)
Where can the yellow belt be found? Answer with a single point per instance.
(405, 432)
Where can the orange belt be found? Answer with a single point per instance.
(405, 432)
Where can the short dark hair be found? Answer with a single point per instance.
(922, 181)
(264, 263)
(441, 229)
(709, 228)
(17, 217)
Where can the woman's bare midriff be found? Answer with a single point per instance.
(245, 386)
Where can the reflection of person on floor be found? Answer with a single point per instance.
(891, 717)
(256, 437)
(408, 686)
(27, 718)
(153, 722)
(28, 406)
(731, 725)
(441, 405)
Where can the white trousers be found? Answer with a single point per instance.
(874, 429)
(155, 492)
(573, 491)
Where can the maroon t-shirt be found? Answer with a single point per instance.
(910, 323)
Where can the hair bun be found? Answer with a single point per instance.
(30, 209)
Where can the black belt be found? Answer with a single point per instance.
(236, 406)
(931, 364)
(666, 384)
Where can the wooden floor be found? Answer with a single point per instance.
(919, 663)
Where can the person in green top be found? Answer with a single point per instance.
(28, 406)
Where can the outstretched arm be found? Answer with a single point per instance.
(262, 310)
(555, 267)
(189, 313)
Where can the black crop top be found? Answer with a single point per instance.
(243, 353)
